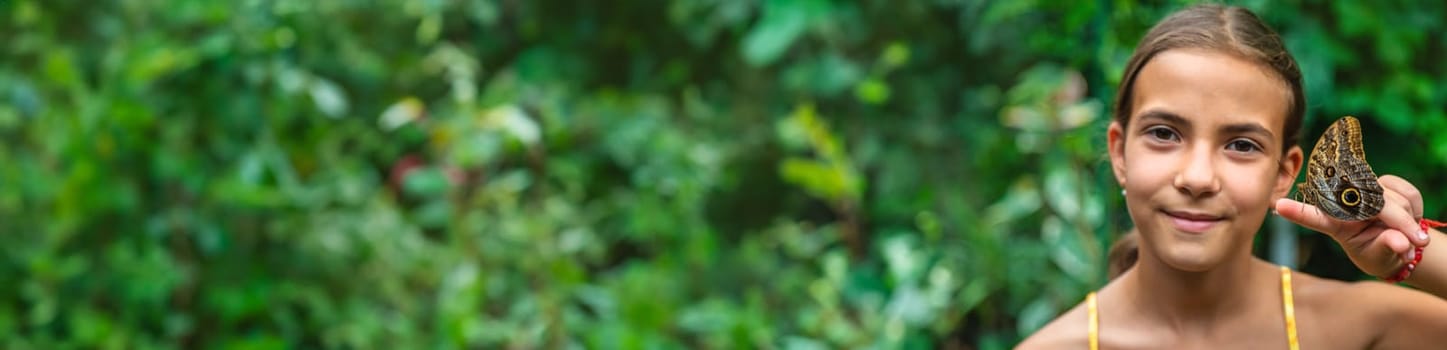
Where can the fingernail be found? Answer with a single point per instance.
(1411, 255)
(1422, 235)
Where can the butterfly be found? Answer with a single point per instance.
(1338, 179)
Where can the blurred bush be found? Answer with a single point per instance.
(795, 174)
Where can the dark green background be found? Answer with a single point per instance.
(259, 174)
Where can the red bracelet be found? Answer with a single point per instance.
(1411, 266)
(1406, 270)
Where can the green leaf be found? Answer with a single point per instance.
(1067, 249)
(782, 23)
(895, 55)
(1394, 113)
(328, 97)
(1062, 190)
(426, 182)
(801, 343)
(515, 122)
(256, 342)
(1036, 315)
(906, 263)
(816, 177)
(973, 294)
(826, 76)
(429, 28)
(872, 91)
(404, 111)
(1023, 198)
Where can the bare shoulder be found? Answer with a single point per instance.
(1366, 296)
(1317, 297)
(1067, 330)
(1370, 295)
(1384, 313)
(1307, 286)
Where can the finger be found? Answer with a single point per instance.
(1396, 244)
(1399, 185)
(1307, 215)
(1395, 216)
(1416, 233)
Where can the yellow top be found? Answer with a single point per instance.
(1287, 307)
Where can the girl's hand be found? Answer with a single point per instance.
(1379, 246)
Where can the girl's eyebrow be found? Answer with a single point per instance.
(1248, 128)
(1166, 117)
(1181, 122)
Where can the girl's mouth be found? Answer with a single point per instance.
(1193, 222)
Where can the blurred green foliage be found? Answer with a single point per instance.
(799, 174)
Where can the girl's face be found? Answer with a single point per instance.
(1201, 160)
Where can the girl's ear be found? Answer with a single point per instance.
(1286, 176)
(1115, 137)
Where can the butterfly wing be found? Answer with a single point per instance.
(1355, 175)
(1317, 165)
(1338, 180)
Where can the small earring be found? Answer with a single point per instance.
(1122, 192)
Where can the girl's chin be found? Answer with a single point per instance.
(1193, 257)
(1191, 264)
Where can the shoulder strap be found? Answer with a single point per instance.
(1288, 308)
(1094, 328)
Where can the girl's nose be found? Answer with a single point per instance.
(1197, 176)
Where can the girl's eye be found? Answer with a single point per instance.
(1242, 146)
(1162, 133)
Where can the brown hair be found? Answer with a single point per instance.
(1231, 30)
(1123, 254)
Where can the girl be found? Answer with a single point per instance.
(1203, 143)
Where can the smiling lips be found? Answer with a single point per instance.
(1193, 222)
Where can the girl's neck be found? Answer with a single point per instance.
(1191, 301)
